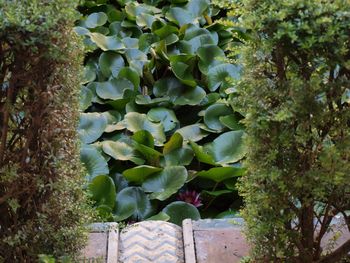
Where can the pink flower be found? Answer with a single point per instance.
(191, 197)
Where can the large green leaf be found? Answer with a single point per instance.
(113, 117)
(161, 216)
(202, 154)
(175, 142)
(131, 75)
(139, 174)
(136, 121)
(179, 211)
(219, 174)
(165, 183)
(228, 147)
(213, 113)
(121, 151)
(232, 122)
(95, 20)
(144, 137)
(113, 89)
(210, 56)
(222, 76)
(132, 201)
(111, 63)
(164, 116)
(102, 190)
(136, 59)
(182, 66)
(107, 42)
(86, 97)
(180, 156)
(192, 133)
(91, 126)
(93, 161)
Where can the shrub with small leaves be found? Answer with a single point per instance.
(295, 96)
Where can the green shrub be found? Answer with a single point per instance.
(157, 124)
(295, 97)
(43, 208)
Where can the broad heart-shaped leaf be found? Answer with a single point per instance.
(95, 20)
(121, 151)
(196, 37)
(113, 117)
(144, 137)
(113, 89)
(111, 63)
(107, 42)
(136, 59)
(93, 161)
(178, 93)
(180, 16)
(146, 40)
(201, 154)
(180, 156)
(192, 133)
(174, 143)
(219, 174)
(136, 121)
(140, 173)
(232, 122)
(197, 7)
(86, 97)
(228, 147)
(91, 126)
(213, 113)
(132, 201)
(182, 66)
(164, 116)
(150, 154)
(209, 56)
(161, 216)
(102, 190)
(222, 76)
(165, 183)
(179, 211)
(131, 75)
(147, 100)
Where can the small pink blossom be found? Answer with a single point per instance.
(191, 197)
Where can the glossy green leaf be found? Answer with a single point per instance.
(180, 16)
(113, 118)
(182, 66)
(93, 161)
(111, 63)
(91, 126)
(121, 151)
(180, 156)
(164, 116)
(222, 76)
(213, 113)
(107, 42)
(192, 133)
(136, 59)
(86, 97)
(139, 174)
(113, 89)
(102, 190)
(179, 211)
(202, 154)
(161, 216)
(132, 201)
(175, 142)
(131, 75)
(96, 19)
(135, 122)
(165, 183)
(232, 122)
(210, 56)
(144, 137)
(219, 174)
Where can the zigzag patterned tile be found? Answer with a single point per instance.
(151, 241)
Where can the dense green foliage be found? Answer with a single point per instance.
(157, 119)
(296, 99)
(42, 206)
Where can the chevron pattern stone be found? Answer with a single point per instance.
(151, 241)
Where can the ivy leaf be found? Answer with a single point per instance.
(91, 126)
(102, 190)
(165, 183)
(132, 201)
(179, 211)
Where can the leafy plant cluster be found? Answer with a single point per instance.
(296, 98)
(42, 205)
(158, 125)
